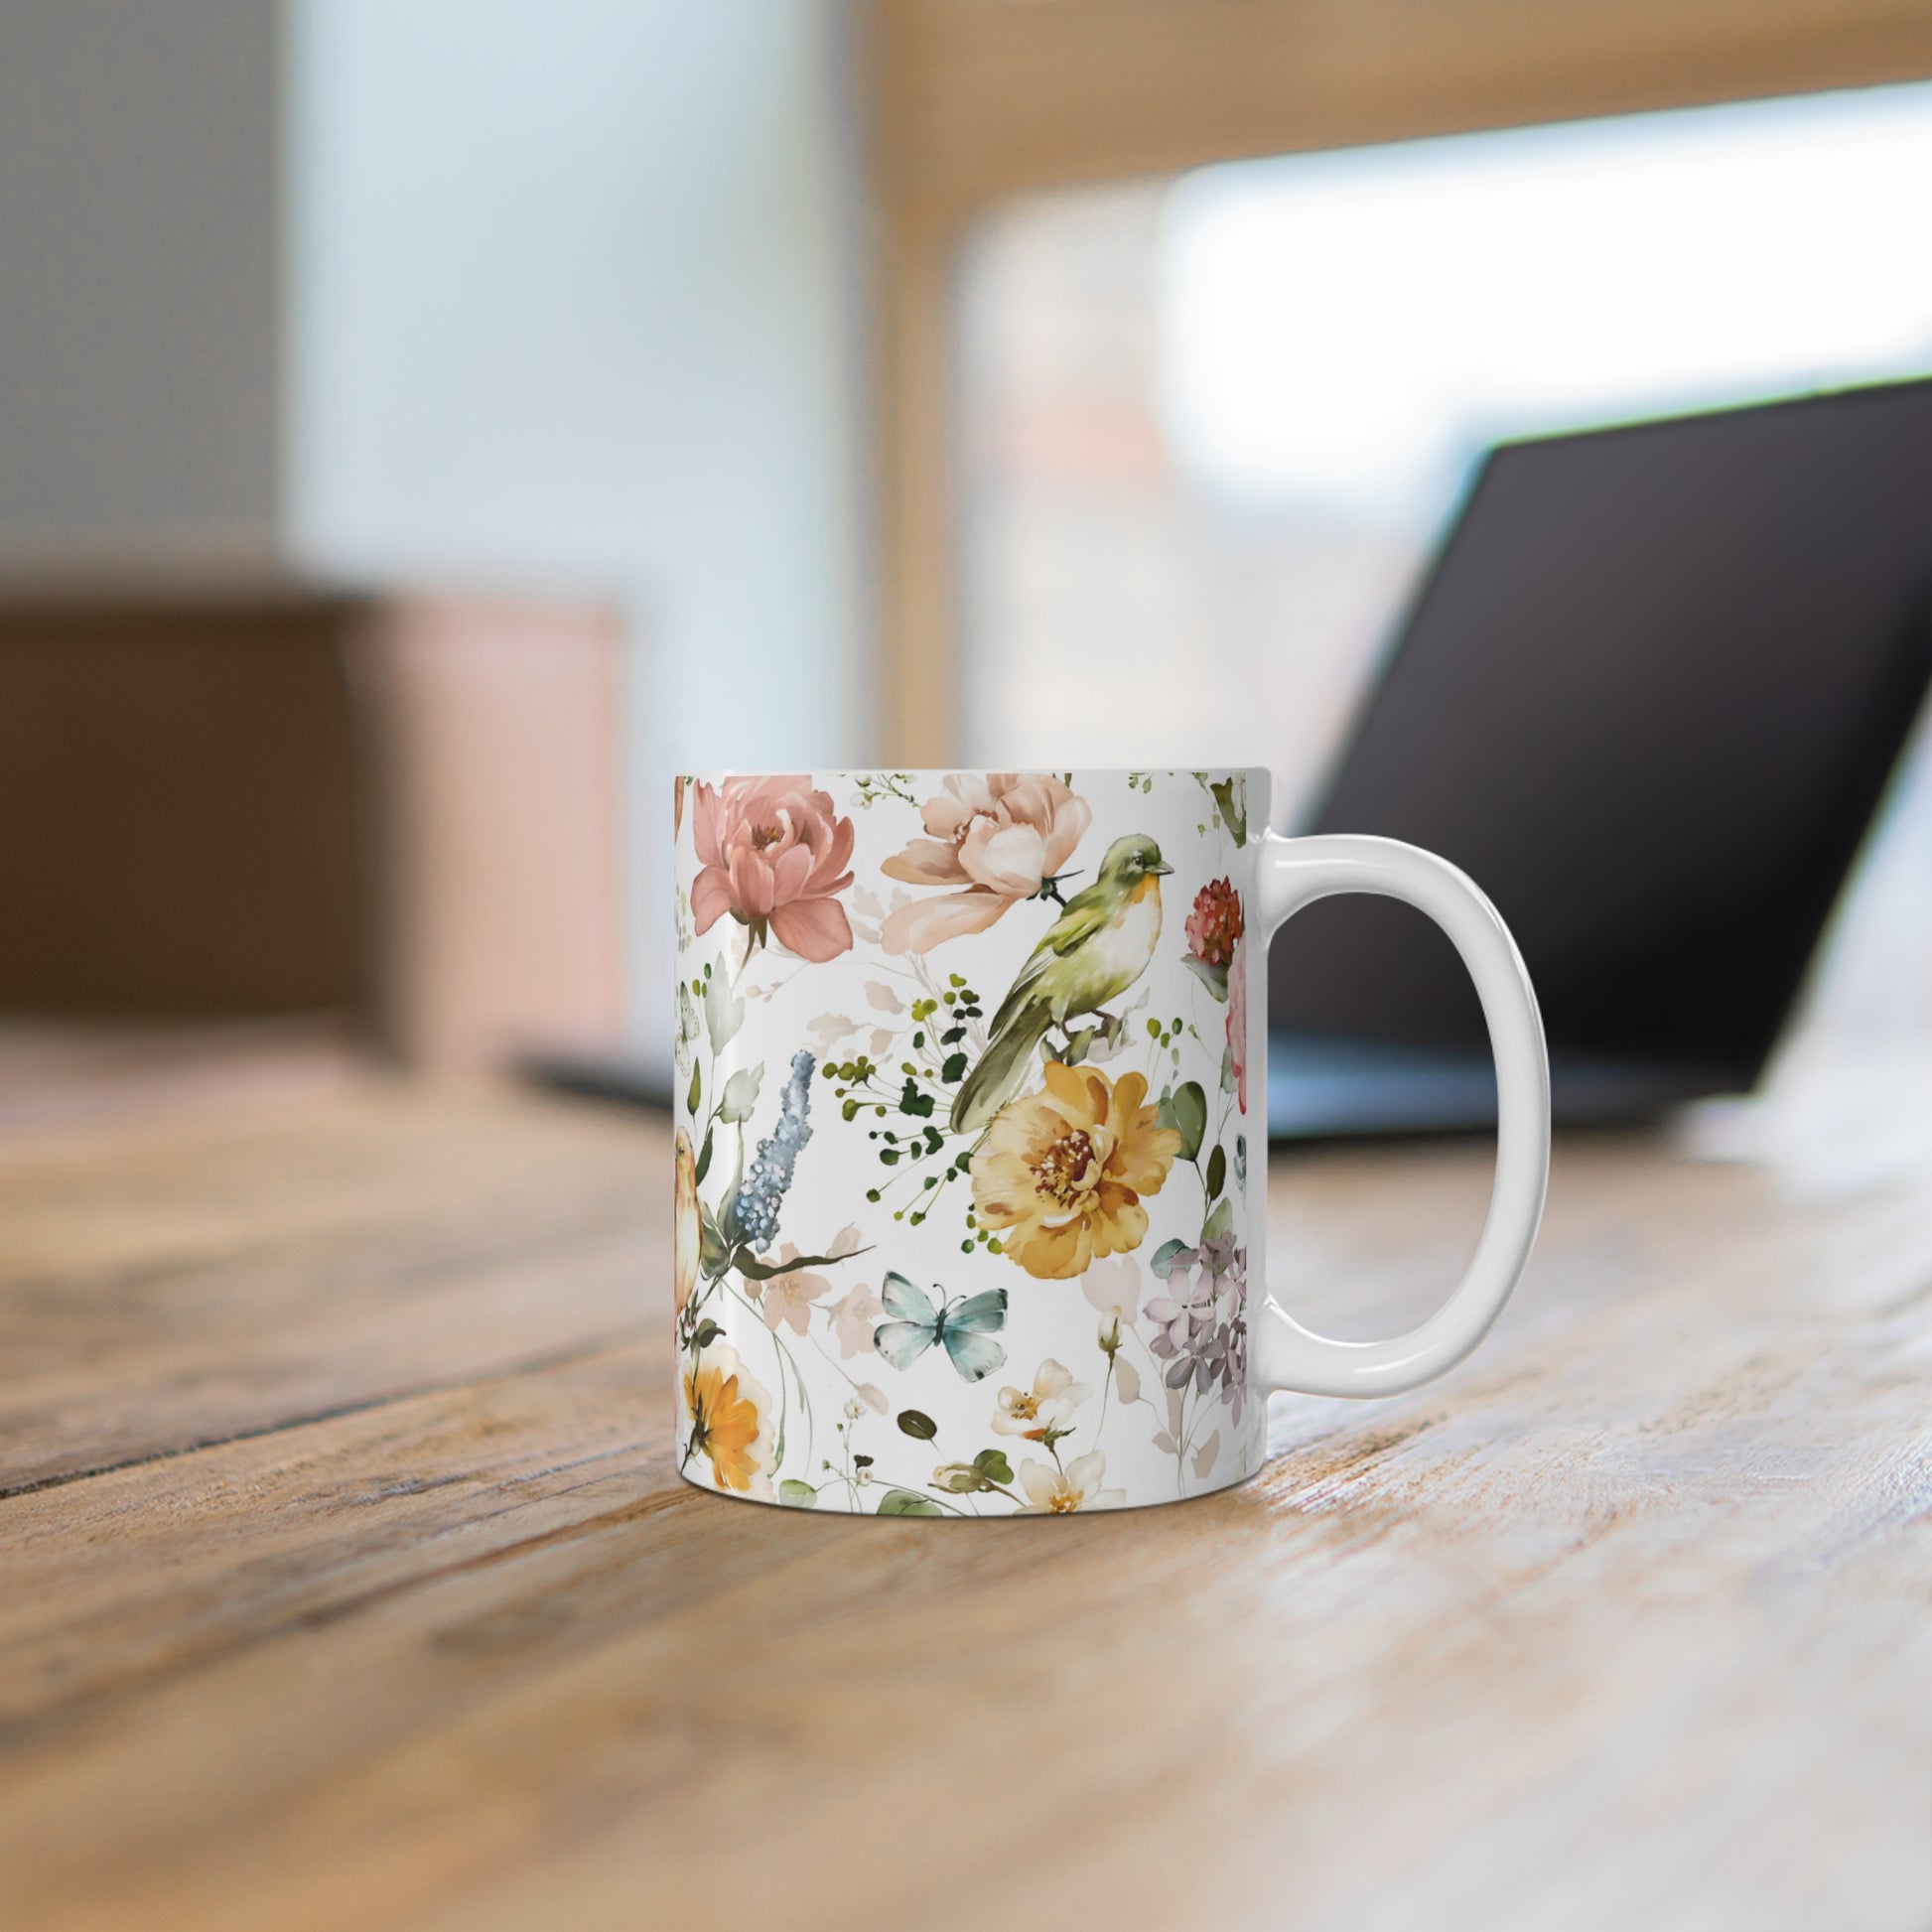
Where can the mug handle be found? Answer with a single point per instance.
(1294, 873)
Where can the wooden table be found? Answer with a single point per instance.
(347, 1581)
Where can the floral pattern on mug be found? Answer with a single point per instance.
(960, 1158)
(999, 839)
(730, 1421)
(774, 854)
(1060, 1173)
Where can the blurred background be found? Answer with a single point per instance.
(425, 428)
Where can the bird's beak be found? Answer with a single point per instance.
(1160, 867)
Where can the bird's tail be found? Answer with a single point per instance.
(1002, 1067)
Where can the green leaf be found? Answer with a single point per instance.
(922, 1428)
(912, 1101)
(722, 1016)
(954, 1069)
(1161, 1263)
(713, 1255)
(1220, 1224)
(993, 1462)
(1228, 1081)
(1218, 1172)
(695, 1092)
(1190, 1117)
(741, 1094)
(1214, 978)
(1231, 796)
(797, 1495)
(960, 1479)
(902, 1502)
(704, 1154)
(708, 1332)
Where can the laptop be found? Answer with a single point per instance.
(1649, 697)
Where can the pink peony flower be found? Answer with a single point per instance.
(996, 838)
(1238, 1022)
(773, 853)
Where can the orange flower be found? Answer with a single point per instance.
(1062, 1170)
(729, 1422)
(684, 1200)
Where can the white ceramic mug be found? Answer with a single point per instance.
(971, 1150)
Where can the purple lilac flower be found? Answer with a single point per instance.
(1204, 1332)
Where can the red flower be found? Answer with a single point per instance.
(1215, 923)
(773, 853)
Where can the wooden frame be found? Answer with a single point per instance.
(979, 101)
(273, 800)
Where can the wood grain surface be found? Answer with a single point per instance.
(349, 1583)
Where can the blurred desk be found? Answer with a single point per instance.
(349, 1582)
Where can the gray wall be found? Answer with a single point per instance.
(139, 266)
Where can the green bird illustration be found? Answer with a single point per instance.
(1092, 953)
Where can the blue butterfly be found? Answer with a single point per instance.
(962, 1325)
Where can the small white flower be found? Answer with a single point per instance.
(854, 1410)
(1054, 1492)
(1051, 1405)
(1113, 1287)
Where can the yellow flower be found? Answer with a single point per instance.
(729, 1415)
(684, 1275)
(1062, 1173)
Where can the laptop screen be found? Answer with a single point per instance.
(1647, 698)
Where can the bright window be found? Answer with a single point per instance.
(1211, 427)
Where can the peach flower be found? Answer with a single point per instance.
(997, 838)
(773, 853)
